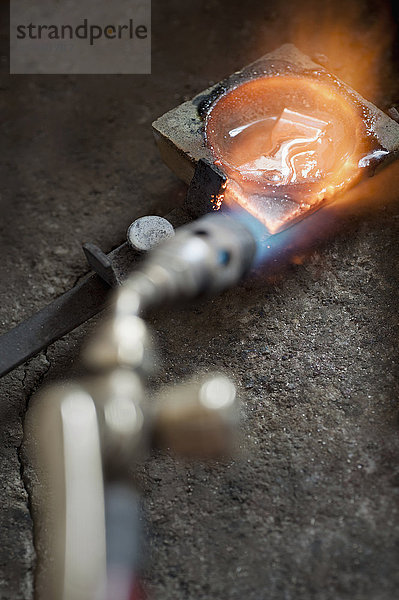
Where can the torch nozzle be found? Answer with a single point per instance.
(203, 258)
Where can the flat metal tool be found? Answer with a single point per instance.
(87, 298)
(90, 294)
(54, 321)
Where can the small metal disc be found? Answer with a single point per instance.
(147, 232)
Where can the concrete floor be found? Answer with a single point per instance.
(310, 510)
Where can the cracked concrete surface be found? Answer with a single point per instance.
(311, 508)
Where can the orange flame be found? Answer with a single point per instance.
(353, 39)
(218, 199)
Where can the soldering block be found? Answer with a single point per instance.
(180, 133)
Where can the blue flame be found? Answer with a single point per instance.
(268, 246)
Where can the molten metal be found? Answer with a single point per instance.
(279, 138)
(287, 144)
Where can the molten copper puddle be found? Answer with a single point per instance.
(287, 144)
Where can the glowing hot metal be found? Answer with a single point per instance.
(287, 145)
(285, 136)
